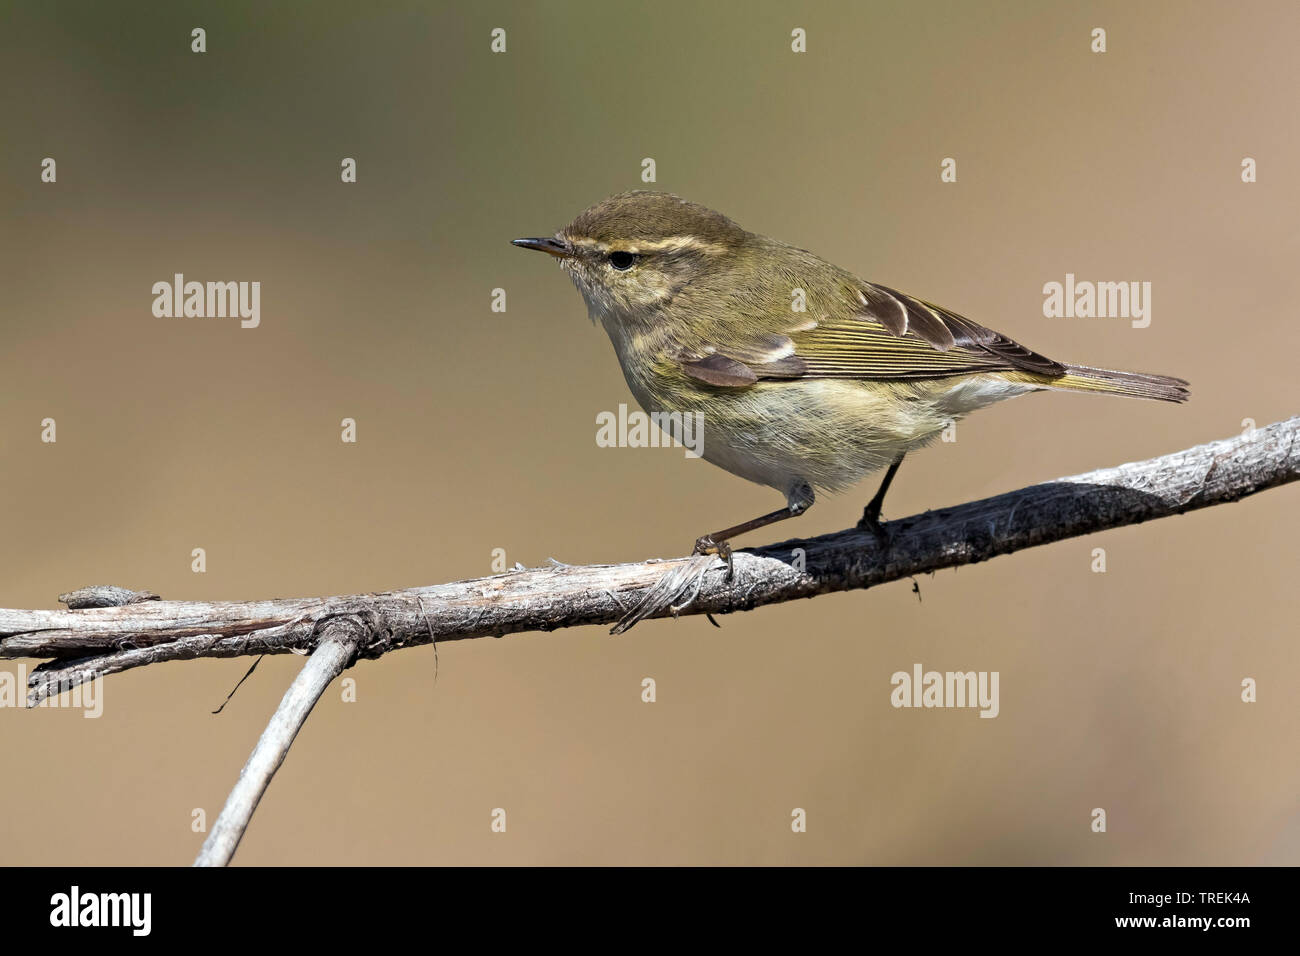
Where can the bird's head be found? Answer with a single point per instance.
(631, 254)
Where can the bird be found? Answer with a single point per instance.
(807, 377)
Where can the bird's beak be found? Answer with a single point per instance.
(552, 247)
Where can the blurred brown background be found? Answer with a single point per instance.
(476, 429)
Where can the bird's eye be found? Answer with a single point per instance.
(622, 261)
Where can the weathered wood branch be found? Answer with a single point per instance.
(107, 629)
(91, 640)
(340, 638)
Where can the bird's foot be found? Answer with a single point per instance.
(706, 545)
(871, 522)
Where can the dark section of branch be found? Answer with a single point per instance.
(104, 595)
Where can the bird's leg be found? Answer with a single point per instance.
(871, 513)
(800, 500)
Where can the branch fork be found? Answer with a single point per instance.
(105, 630)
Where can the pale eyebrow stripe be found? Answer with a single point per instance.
(667, 244)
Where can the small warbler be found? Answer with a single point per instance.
(806, 376)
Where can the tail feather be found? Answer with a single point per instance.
(1081, 378)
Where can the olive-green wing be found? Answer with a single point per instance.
(864, 331)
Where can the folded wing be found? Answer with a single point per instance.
(866, 331)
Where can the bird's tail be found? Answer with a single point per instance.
(1081, 378)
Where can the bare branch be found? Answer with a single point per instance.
(99, 640)
(339, 640)
(108, 629)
